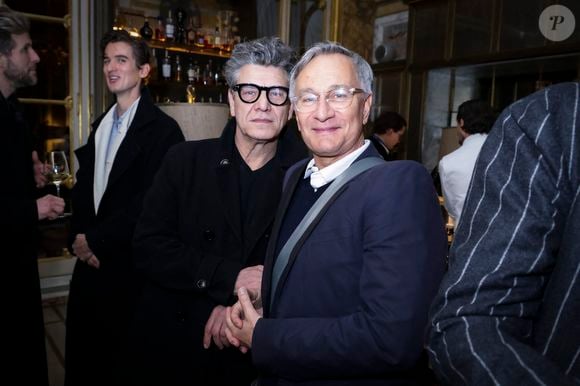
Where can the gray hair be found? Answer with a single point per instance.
(266, 51)
(11, 23)
(363, 69)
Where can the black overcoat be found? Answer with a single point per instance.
(191, 245)
(101, 301)
(22, 321)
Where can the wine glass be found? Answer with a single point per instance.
(57, 170)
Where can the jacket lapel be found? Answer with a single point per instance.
(228, 179)
(287, 194)
(130, 146)
(371, 151)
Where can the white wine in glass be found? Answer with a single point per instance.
(57, 170)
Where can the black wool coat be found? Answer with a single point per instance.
(190, 245)
(101, 300)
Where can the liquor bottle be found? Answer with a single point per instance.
(190, 32)
(169, 28)
(178, 69)
(146, 31)
(154, 72)
(190, 72)
(217, 40)
(180, 33)
(166, 67)
(159, 30)
(190, 93)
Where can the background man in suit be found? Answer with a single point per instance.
(116, 167)
(474, 121)
(351, 305)
(23, 340)
(388, 131)
(508, 309)
(206, 224)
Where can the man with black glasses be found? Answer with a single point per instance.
(347, 303)
(206, 223)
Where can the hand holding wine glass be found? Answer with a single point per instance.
(57, 170)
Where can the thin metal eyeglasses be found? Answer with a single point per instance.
(339, 98)
(249, 93)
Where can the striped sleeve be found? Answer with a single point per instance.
(483, 329)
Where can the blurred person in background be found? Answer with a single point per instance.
(24, 343)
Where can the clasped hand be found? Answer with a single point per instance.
(241, 319)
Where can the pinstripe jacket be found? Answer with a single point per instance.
(508, 310)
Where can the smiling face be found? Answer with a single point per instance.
(331, 134)
(122, 74)
(259, 122)
(19, 67)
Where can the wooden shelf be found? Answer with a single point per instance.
(188, 49)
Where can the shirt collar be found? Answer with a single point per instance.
(382, 143)
(122, 123)
(321, 177)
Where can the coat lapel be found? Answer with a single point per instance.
(130, 146)
(287, 194)
(228, 179)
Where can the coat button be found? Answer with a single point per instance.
(201, 284)
(208, 235)
(224, 162)
(180, 315)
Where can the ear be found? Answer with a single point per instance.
(461, 123)
(3, 60)
(290, 112)
(231, 100)
(144, 70)
(367, 108)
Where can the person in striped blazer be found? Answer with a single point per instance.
(508, 310)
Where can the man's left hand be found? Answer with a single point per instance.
(215, 329)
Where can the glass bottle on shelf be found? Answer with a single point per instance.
(217, 40)
(154, 72)
(190, 32)
(199, 38)
(169, 28)
(159, 30)
(190, 72)
(146, 31)
(166, 67)
(178, 69)
(180, 33)
(190, 92)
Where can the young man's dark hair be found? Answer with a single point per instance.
(477, 115)
(139, 47)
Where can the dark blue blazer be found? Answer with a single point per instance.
(352, 303)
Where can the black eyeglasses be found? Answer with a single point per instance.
(249, 93)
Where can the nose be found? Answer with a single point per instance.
(34, 56)
(262, 103)
(323, 109)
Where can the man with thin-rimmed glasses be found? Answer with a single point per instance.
(348, 304)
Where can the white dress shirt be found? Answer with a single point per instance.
(455, 170)
(321, 177)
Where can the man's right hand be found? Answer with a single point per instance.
(251, 279)
(49, 207)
